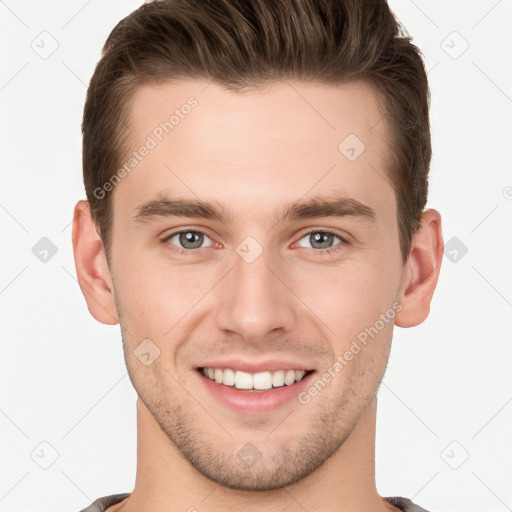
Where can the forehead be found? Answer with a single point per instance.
(311, 112)
(254, 149)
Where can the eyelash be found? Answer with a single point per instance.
(189, 252)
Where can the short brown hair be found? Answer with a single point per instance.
(242, 44)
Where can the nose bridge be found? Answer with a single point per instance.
(253, 300)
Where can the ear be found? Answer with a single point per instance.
(421, 271)
(91, 266)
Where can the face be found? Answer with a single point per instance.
(240, 282)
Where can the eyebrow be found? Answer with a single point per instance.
(334, 205)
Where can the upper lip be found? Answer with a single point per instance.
(255, 367)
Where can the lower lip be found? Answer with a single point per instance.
(254, 402)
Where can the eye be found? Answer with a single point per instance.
(185, 241)
(322, 241)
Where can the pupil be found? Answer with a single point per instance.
(188, 238)
(323, 239)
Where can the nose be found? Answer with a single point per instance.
(253, 300)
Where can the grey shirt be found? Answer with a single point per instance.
(101, 504)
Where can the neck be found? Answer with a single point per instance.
(166, 482)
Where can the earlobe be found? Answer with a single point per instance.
(421, 272)
(91, 266)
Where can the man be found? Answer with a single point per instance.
(256, 176)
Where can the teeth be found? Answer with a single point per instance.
(262, 380)
(228, 377)
(243, 380)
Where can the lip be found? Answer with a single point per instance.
(255, 367)
(254, 402)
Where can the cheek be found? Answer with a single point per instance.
(154, 296)
(350, 297)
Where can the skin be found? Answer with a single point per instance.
(254, 153)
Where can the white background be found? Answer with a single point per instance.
(447, 393)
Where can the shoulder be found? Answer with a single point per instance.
(405, 504)
(103, 503)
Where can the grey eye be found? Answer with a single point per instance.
(320, 239)
(188, 239)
